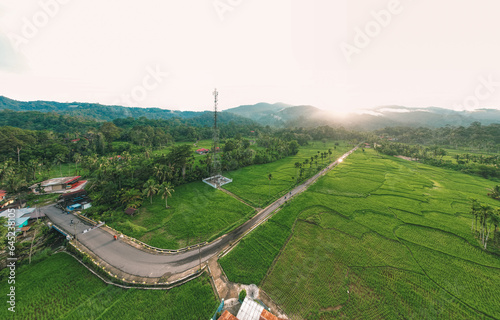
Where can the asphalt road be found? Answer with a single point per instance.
(136, 262)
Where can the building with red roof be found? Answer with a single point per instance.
(59, 185)
(249, 310)
(202, 151)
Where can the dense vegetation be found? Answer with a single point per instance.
(476, 137)
(59, 287)
(92, 110)
(378, 237)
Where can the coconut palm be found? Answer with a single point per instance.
(166, 190)
(494, 220)
(475, 208)
(150, 189)
(131, 198)
(270, 176)
(495, 192)
(298, 165)
(77, 158)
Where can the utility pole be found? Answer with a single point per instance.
(215, 152)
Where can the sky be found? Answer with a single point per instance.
(337, 55)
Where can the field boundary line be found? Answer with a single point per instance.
(437, 284)
(448, 232)
(271, 267)
(236, 197)
(451, 255)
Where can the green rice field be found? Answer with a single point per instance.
(59, 287)
(252, 184)
(197, 212)
(377, 238)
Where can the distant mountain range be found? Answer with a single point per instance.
(276, 115)
(93, 111)
(281, 114)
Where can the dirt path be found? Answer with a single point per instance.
(229, 291)
(236, 197)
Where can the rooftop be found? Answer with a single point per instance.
(250, 310)
(227, 316)
(56, 181)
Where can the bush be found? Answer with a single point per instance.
(242, 295)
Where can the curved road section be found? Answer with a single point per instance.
(140, 263)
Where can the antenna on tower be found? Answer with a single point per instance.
(216, 179)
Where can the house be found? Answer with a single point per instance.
(227, 316)
(3, 194)
(59, 185)
(250, 310)
(76, 199)
(202, 151)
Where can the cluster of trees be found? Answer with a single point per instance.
(132, 177)
(476, 136)
(486, 219)
(484, 166)
(302, 166)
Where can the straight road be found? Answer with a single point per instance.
(140, 263)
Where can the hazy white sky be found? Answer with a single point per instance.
(333, 54)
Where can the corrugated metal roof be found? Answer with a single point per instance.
(250, 310)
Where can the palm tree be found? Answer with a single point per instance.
(77, 158)
(270, 176)
(494, 220)
(150, 189)
(495, 192)
(297, 166)
(166, 190)
(131, 198)
(475, 207)
(59, 160)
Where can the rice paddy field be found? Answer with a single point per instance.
(377, 238)
(200, 213)
(197, 212)
(253, 186)
(59, 287)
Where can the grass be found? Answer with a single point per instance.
(59, 287)
(197, 213)
(253, 186)
(378, 237)
(200, 213)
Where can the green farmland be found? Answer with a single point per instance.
(252, 184)
(377, 238)
(197, 213)
(59, 287)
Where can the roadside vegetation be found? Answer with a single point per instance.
(378, 237)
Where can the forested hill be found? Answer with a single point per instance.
(93, 111)
(275, 115)
(35, 120)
